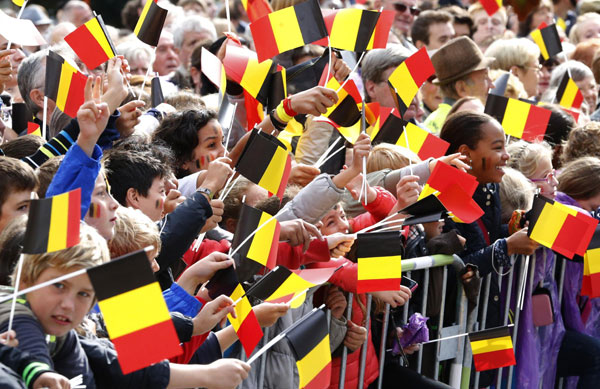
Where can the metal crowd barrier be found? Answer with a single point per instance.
(455, 352)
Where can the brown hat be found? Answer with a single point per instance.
(456, 59)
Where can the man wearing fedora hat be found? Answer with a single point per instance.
(461, 71)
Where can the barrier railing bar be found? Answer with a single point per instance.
(365, 346)
(345, 349)
(384, 331)
(423, 310)
(440, 325)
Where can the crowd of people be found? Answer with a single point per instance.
(155, 176)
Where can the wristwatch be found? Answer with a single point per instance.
(206, 192)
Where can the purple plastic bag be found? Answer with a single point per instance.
(415, 331)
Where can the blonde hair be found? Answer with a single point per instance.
(582, 141)
(473, 9)
(581, 19)
(579, 178)
(512, 52)
(525, 156)
(514, 86)
(133, 231)
(89, 252)
(389, 156)
(516, 192)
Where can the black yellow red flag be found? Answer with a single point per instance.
(150, 23)
(492, 348)
(92, 43)
(64, 84)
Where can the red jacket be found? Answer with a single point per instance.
(376, 211)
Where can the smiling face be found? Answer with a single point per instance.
(544, 177)
(403, 19)
(334, 221)
(489, 156)
(62, 306)
(210, 147)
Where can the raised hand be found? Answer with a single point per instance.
(92, 116)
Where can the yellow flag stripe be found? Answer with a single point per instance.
(314, 362)
(536, 35)
(345, 28)
(242, 309)
(403, 82)
(134, 310)
(427, 190)
(565, 208)
(375, 268)
(515, 117)
(286, 29)
(293, 284)
(548, 226)
(271, 179)
(143, 15)
(489, 345)
(94, 26)
(416, 138)
(593, 258)
(57, 235)
(569, 94)
(64, 85)
(255, 75)
(261, 244)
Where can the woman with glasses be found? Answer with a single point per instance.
(583, 77)
(542, 344)
(519, 56)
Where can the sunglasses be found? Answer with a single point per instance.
(414, 11)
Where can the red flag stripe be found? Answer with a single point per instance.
(75, 97)
(321, 380)
(494, 359)
(420, 67)
(249, 333)
(83, 42)
(536, 124)
(433, 147)
(74, 218)
(366, 286)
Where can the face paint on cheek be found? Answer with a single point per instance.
(198, 164)
(159, 203)
(483, 163)
(94, 211)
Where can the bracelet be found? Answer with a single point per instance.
(282, 114)
(287, 106)
(279, 126)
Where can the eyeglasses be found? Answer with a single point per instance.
(414, 11)
(549, 179)
(537, 68)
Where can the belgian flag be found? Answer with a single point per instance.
(243, 67)
(358, 30)
(344, 113)
(64, 84)
(246, 324)
(454, 189)
(156, 94)
(92, 43)
(256, 9)
(559, 227)
(134, 310)
(18, 3)
(568, 94)
(379, 257)
(287, 29)
(491, 6)
(310, 342)
(266, 162)
(34, 128)
(547, 39)
(492, 349)
(150, 23)
(282, 284)
(590, 285)
(53, 223)
(420, 141)
(262, 247)
(518, 118)
(407, 78)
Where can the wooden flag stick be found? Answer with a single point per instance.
(227, 190)
(228, 16)
(381, 222)
(330, 156)
(45, 117)
(43, 285)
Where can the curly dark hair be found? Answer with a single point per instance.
(179, 131)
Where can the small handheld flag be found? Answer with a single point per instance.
(559, 227)
(246, 324)
(406, 80)
(34, 128)
(379, 257)
(310, 342)
(590, 285)
(53, 223)
(134, 311)
(492, 348)
(156, 95)
(547, 39)
(92, 43)
(150, 23)
(344, 113)
(491, 6)
(256, 9)
(568, 94)
(518, 118)
(454, 189)
(64, 84)
(266, 162)
(287, 29)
